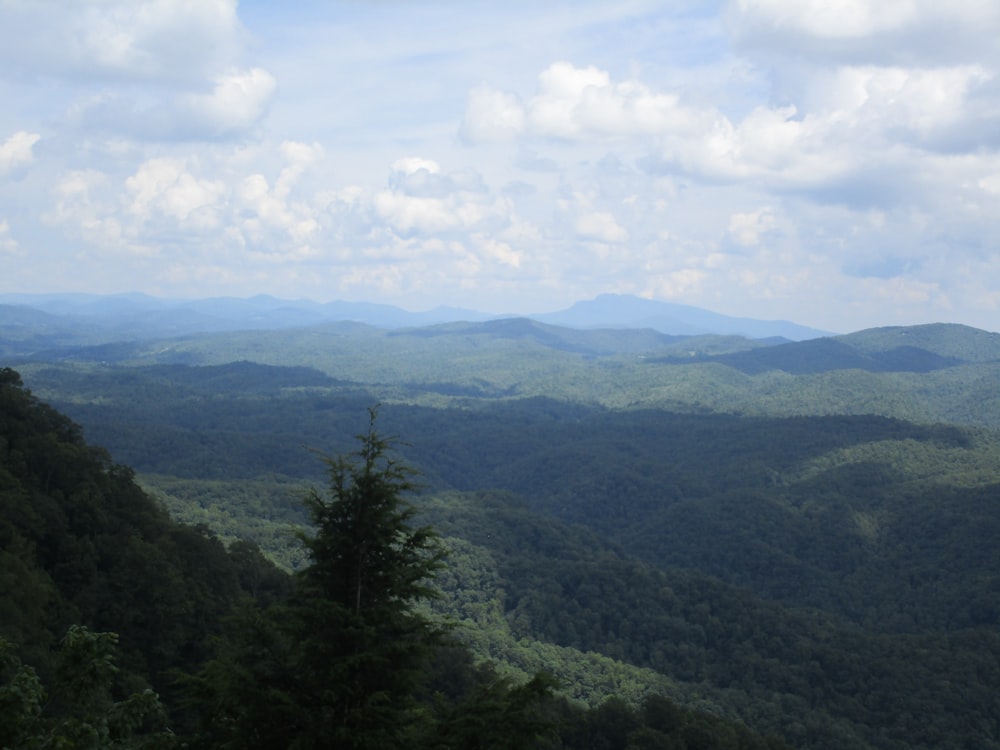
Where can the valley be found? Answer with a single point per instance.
(797, 535)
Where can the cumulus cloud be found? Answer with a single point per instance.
(165, 70)
(573, 102)
(601, 226)
(214, 204)
(422, 200)
(298, 158)
(990, 183)
(86, 206)
(498, 250)
(226, 106)
(16, 151)
(165, 187)
(8, 245)
(589, 217)
(915, 98)
(867, 31)
(184, 208)
(492, 116)
(237, 101)
(564, 92)
(413, 164)
(585, 104)
(747, 228)
(278, 218)
(853, 126)
(120, 39)
(847, 18)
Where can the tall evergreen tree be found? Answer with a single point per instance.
(366, 643)
(338, 664)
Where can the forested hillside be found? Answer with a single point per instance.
(798, 536)
(243, 654)
(935, 373)
(81, 544)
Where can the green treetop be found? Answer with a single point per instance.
(339, 664)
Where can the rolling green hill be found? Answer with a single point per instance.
(83, 548)
(937, 373)
(797, 572)
(946, 340)
(803, 536)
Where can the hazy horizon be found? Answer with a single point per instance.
(768, 159)
(335, 300)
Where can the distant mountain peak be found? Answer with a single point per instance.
(629, 311)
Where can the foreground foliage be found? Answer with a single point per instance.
(338, 663)
(77, 710)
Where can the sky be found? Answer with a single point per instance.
(831, 162)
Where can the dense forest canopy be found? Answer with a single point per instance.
(338, 655)
(793, 539)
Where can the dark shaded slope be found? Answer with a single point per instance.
(917, 349)
(823, 355)
(948, 340)
(733, 497)
(249, 377)
(814, 679)
(81, 543)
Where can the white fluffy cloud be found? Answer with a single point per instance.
(868, 31)
(238, 101)
(846, 18)
(281, 224)
(889, 99)
(120, 39)
(16, 151)
(165, 187)
(85, 206)
(8, 245)
(422, 200)
(747, 228)
(573, 102)
(165, 70)
(854, 119)
(185, 205)
(601, 226)
(492, 115)
(264, 210)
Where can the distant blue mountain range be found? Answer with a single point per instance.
(142, 316)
